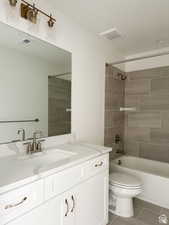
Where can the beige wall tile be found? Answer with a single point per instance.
(160, 86)
(111, 132)
(165, 119)
(132, 148)
(156, 102)
(137, 87)
(114, 101)
(59, 121)
(109, 71)
(132, 101)
(137, 134)
(113, 119)
(150, 73)
(108, 141)
(114, 86)
(154, 152)
(146, 131)
(159, 135)
(142, 119)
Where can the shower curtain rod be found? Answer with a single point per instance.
(140, 58)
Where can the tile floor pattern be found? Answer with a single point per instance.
(145, 214)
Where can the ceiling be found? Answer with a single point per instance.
(143, 24)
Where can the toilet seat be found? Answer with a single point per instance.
(124, 180)
(125, 187)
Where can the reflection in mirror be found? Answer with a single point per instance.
(59, 94)
(35, 86)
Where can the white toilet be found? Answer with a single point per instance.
(123, 188)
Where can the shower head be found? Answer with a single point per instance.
(121, 76)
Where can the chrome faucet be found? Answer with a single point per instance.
(23, 133)
(35, 146)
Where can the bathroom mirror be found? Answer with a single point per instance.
(35, 86)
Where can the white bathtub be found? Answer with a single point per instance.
(154, 175)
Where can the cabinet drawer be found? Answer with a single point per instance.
(19, 201)
(62, 181)
(96, 165)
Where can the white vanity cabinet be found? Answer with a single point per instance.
(48, 213)
(74, 196)
(19, 201)
(53, 212)
(92, 201)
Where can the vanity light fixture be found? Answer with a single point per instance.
(12, 2)
(30, 12)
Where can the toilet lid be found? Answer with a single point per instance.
(124, 179)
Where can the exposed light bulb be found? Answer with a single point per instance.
(51, 21)
(12, 2)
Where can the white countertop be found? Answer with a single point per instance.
(15, 172)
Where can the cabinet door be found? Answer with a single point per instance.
(68, 212)
(91, 201)
(50, 213)
(57, 211)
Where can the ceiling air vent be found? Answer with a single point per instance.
(110, 34)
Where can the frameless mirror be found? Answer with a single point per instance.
(35, 86)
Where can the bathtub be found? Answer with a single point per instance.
(154, 176)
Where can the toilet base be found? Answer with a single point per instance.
(122, 207)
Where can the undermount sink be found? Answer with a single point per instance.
(47, 157)
(25, 165)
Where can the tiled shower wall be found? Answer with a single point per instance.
(147, 129)
(114, 99)
(59, 94)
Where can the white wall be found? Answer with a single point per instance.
(89, 54)
(23, 92)
(149, 63)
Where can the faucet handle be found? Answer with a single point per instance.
(29, 147)
(41, 141)
(39, 144)
(22, 130)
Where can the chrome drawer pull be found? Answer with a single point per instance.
(99, 164)
(17, 204)
(73, 200)
(67, 204)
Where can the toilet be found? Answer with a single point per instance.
(123, 188)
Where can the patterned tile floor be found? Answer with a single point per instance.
(145, 214)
